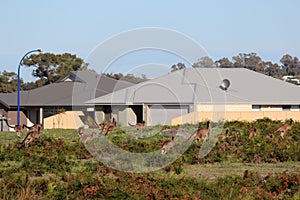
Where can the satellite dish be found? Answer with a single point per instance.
(225, 84)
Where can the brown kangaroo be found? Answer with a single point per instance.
(167, 145)
(108, 127)
(84, 137)
(201, 133)
(34, 127)
(225, 135)
(138, 126)
(17, 128)
(284, 128)
(252, 133)
(169, 131)
(31, 136)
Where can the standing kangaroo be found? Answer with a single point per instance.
(17, 128)
(201, 133)
(284, 128)
(108, 127)
(31, 136)
(167, 145)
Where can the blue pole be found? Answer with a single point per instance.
(29, 52)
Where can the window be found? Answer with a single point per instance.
(255, 107)
(286, 107)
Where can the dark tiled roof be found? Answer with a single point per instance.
(66, 93)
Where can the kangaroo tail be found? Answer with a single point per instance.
(29, 127)
(8, 124)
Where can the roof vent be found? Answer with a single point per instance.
(225, 84)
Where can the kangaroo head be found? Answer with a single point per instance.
(207, 124)
(227, 131)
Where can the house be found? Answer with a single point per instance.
(60, 104)
(194, 94)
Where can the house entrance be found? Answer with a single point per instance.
(138, 110)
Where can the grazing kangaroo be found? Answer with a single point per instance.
(284, 128)
(201, 133)
(31, 136)
(167, 145)
(17, 128)
(84, 138)
(108, 127)
(252, 133)
(138, 126)
(35, 127)
(169, 131)
(225, 135)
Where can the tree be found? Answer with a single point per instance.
(273, 69)
(177, 66)
(128, 77)
(9, 82)
(290, 65)
(50, 67)
(224, 63)
(204, 62)
(250, 61)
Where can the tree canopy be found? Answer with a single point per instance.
(128, 77)
(8, 82)
(288, 66)
(50, 67)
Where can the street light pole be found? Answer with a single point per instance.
(29, 52)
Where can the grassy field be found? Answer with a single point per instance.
(58, 166)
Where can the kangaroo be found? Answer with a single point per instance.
(225, 135)
(84, 137)
(108, 127)
(169, 131)
(34, 127)
(270, 136)
(138, 126)
(252, 133)
(201, 133)
(80, 130)
(284, 128)
(167, 145)
(31, 136)
(17, 128)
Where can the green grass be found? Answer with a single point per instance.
(57, 166)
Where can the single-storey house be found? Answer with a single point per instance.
(61, 104)
(194, 94)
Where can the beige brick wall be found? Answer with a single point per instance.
(195, 117)
(231, 107)
(66, 120)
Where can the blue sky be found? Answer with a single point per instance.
(224, 28)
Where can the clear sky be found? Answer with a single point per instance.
(224, 28)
